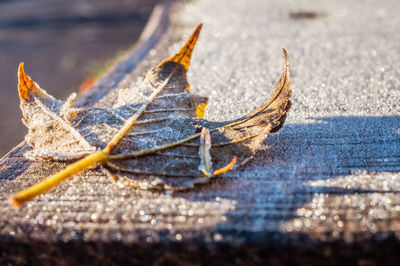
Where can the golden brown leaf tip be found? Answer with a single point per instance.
(184, 55)
(26, 86)
(24, 82)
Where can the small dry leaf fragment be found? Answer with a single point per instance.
(204, 152)
(150, 137)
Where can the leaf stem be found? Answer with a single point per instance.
(149, 151)
(87, 162)
(131, 121)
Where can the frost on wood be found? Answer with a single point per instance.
(154, 136)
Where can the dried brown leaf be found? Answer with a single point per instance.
(154, 136)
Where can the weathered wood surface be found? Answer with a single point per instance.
(325, 189)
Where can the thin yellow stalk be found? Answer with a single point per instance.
(89, 161)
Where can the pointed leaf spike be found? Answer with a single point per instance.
(286, 63)
(201, 109)
(184, 55)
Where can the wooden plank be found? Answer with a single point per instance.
(323, 190)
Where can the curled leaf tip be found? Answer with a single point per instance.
(24, 83)
(22, 77)
(27, 88)
(184, 55)
(226, 168)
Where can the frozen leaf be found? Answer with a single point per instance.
(49, 132)
(154, 136)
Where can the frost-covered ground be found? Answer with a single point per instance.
(342, 134)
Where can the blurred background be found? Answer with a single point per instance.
(65, 44)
